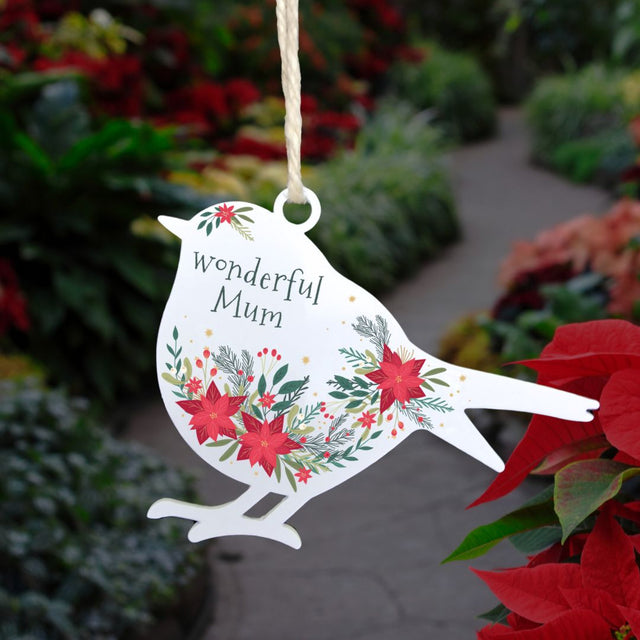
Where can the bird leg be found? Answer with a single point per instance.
(228, 519)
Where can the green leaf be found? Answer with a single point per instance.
(442, 383)
(262, 385)
(281, 407)
(280, 374)
(230, 451)
(363, 383)
(353, 404)
(498, 614)
(483, 538)
(257, 412)
(290, 478)
(434, 372)
(219, 443)
(243, 210)
(175, 333)
(338, 394)
(360, 393)
(290, 387)
(375, 435)
(210, 227)
(170, 379)
(278, 469)
(345, 383)
(536, 539)
(581, 487)
(247, 218)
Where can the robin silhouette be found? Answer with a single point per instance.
(284, 375)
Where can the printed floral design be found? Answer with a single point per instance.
(212, 413)
(263, 442)
(254, 411)
(227, 213)
(398, 380)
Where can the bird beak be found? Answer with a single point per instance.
(177, 226)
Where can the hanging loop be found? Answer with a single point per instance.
(309, 197)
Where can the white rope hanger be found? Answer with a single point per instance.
(288, 28)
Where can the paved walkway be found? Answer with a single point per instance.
(370, 566)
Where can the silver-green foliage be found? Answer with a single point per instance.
(79, 558)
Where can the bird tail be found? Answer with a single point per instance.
(490, 391)
(460, 432)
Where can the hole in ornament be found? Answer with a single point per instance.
(264, 506)
(296, 213)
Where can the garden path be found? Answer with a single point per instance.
(370, 567)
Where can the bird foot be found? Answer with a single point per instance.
(213, 522)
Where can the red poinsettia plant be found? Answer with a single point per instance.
(582, 533)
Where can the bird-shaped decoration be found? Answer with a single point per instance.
(285, 375)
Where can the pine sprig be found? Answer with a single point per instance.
(355, 358)
(228, 362)
(377, 332)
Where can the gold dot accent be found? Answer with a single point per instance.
(441, 424)
(208, 333)
(305, 359)
(343, 322)
(463, 378)
(351, 299)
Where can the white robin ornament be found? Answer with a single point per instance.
(283, 374)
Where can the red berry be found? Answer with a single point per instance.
(279, 356)
(326, 415)
(273, 352)
(326, 454)
(303, 439)
(420, 419)
(330, 417)
(206, 353)
(394, 432)
(259, 354)
(213, 372)
(327, 439)
(390, 416)
(265, 351)
(250, 378)
(199, 363)
(240, 372)
(401, 425)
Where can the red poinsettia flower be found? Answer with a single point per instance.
(587, 601)
(225, 213)
(212, 413)
(267, 400)
(303, 475)
(600, 360)
(398, 380)
(193, 385)
(264, 442)
(367, 419)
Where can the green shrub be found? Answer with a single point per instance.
(79, 558)
(579, 123)
(388, 203)
(454, 87)
(69, 192)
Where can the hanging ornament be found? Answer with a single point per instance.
(286, 376)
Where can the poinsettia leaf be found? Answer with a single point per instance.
(620, 412)
(609, 562)
(595, 600)
(499, 613)
(536, 540)
(572, 452)
(533, 592)
(582, 487)
(572, 625)
(579, 366)
(483, 538)
(544, 435)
